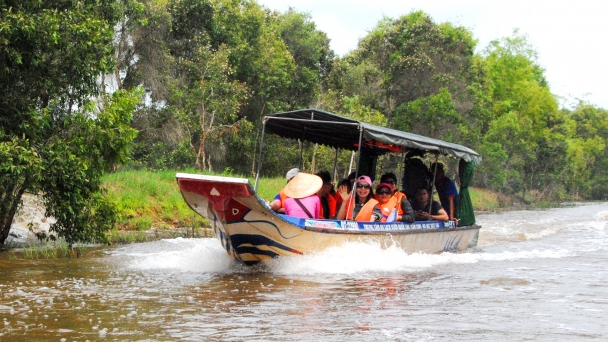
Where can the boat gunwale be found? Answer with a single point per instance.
(222, 179)
(391, 232)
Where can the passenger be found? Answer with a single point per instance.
(278, 204)
(415, 175)
(344, 183)
(328, 201)
(302, 200)
(351, 178)
(359, 204)
(446, 189)
(422, 205)
(391, 179)
(393, 207)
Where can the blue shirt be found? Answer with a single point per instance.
(446, 189)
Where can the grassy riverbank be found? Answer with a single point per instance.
(148, 199)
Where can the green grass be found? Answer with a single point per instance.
(484, 200)
(268, 187)
(151, 199)
(148, 199)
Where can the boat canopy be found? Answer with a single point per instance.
(325, 128)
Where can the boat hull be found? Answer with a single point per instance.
(252, 233)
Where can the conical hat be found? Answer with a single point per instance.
(303, 185)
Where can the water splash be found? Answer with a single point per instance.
(185, 255)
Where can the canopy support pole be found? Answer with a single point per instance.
(257, 174)
(354, 197)
(400, 172)
(301, 144)
(433, 183)
(335, 165)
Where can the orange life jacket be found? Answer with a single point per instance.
(283, 197)
(393, 203)
(365, 214)
(338, 199)
(331, 201)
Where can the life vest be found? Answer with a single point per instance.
(331, 202)
(393, 203)
(338, 199)
(283, 197)
(365, 214)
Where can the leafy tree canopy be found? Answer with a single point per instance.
(52, 138)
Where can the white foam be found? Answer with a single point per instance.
(545, 232)
(186, 255)
(602, 215)
(360, 257)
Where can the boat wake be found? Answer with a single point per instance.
(206, 256)
(531, 236)
(361, 257)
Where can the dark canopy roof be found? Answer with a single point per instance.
(333, 130)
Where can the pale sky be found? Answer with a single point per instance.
(571, 37)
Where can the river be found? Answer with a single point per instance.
(535, 275)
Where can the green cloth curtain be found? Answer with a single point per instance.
(464, 209)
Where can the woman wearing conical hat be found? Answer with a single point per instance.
(302, 191)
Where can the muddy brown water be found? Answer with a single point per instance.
(536, 275)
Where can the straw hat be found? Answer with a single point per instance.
(303, 185)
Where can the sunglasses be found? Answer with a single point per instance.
(392, 182)
(363, 186)
(384, 192)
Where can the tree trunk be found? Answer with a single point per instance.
(8, 210)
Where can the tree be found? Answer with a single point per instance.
(422, 75)
(311, 53)
(51, 137)
(527, 130)
(417, 58)
(207, 103)
(587, 153)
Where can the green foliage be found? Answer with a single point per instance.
(422, 76)
(55, 139)
(74, 162)
(311, 53)
(527, 127)
(20, 170)
(212, 68)
(587, 155)
(355, 109)
(417, 58)
(434, 116)
(51, 51)
(49, 250)
(206, 101)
